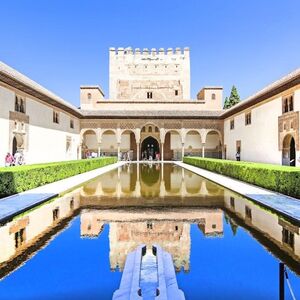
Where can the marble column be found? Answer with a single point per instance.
(182, 151)
(119, 144)
(162, 152)
(203, 149)
(138, 151)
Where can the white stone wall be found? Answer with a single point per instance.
(45, 141)
(259, 141)
(6, 104)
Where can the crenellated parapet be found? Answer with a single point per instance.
(131, 70)
(120, 51)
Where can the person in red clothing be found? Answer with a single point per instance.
(9, 160)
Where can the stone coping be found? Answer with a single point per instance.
(285, 205)
(15, 204)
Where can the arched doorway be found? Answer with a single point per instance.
(150, 147)
(14, 146)
(289, 151)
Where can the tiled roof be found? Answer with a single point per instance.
(272, 89)
(151, 113)
(9, 75)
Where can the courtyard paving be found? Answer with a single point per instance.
(287, 206)
(16, 204)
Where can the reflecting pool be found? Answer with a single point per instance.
(75, 246)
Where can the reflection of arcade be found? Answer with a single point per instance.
(165, 183)
(280, 236)
(168, 228)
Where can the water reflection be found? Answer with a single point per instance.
(168, 228)
(156, 204)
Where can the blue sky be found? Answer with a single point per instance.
(64, 44)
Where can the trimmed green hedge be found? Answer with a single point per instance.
(282, 179)
(21, 178)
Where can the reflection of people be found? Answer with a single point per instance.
(238, 156)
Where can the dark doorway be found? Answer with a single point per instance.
(292, 153)
(14, 146)
(150, 148)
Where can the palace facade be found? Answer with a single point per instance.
(149, 111)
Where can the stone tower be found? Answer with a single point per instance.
(149, 74)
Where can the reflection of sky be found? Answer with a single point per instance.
(232, 267)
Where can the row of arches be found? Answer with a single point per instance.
(150, 142)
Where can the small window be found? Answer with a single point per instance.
(55, 214)
(231, 124)
(149, 95)
(288, 237)
(156, 129)
(72, 204)
(55, 117)
(288, 104)
(149, 226)
(72, 124)
(213, 226)
(232, 204)
(291, 103)
(19, 104)
(248, 118)
(176, 92)
(19, 238)
(248, 212)
(176, 228)
(213, 96)
(150, 129)
(89, 95)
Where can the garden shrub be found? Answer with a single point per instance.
(281, 179)
(21, 178)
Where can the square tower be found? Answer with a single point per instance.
(149, 75)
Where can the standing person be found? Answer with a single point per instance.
(9, 160)
(17, 158)
(238, 156)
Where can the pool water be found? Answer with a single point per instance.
(75, 246)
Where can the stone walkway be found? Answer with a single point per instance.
(285, 205)
(16, 204)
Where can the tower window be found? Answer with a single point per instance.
(71, 123)
(176, 92)
(213, 96)
(231, 124)
(149, 95)
(89, 95)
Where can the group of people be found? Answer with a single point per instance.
(125, 156)
(149, 155)
(14, 160)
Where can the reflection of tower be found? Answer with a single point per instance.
(212, 225)
(172, 236)
(89, 225)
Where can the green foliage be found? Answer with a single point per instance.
(226, 103)
(282, 179)
(234, 98)
(21, 178)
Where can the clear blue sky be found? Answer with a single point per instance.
(63, 44)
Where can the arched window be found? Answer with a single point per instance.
(22, 106)
(89, 95)
(213, 96)
(291, 104)
(150, 129)
(286, 106)
(17, 106)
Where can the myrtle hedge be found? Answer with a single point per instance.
(21, 178)
(281, 179)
